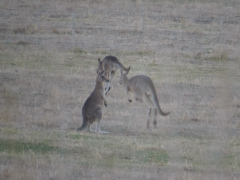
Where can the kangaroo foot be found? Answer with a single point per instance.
(155, 124)
(102, 132)
(148, 126)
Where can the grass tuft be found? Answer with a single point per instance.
(219, 55)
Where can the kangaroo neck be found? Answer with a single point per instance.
(127, 83)
(99, 85)
(99, 88)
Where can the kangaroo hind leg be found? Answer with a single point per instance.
(88, 127)
(151, 100)
(147, 99)
(98, 118)
(139, 97)
(154, 118)
(150, 107)
(99, 130)
(149, 115)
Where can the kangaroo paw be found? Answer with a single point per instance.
(105, 103)
(107, 90)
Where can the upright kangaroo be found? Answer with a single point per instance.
(109, 65)
(143, 88)
(92, 108)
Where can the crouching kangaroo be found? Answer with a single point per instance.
(143, 88)
(92, 108)
(109, 65)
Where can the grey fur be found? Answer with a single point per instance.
(110, 65)
(92, 108)
(144, 90)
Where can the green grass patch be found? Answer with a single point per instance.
(18, 146)
(85, 137)
(8, 131)
(152, 155)
(79, 51)
(218, 55)
(20, 58)
(230, 161)
(107, 151)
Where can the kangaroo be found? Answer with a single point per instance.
(143, 88)
(109, 65)
(92, 108)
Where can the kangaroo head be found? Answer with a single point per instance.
(101, 77)
(123, 77)
(100, 67)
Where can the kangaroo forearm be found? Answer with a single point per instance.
(105, 102)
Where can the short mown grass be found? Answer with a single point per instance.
(87, 148)
(45, 78)
(106, 150)
(152, 155)
(18, 146)
(113, 151)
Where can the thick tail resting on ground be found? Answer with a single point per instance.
(83, 127)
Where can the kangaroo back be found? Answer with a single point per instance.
(112, 62)
(150, 86)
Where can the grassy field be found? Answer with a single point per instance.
(48, 62)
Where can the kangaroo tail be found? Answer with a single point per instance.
(84, 126)
(161, 112)
(122, 67)
(159, 108)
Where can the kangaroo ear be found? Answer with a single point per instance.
(128, 70)
(99, 60)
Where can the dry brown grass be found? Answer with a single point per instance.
(189, 48)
